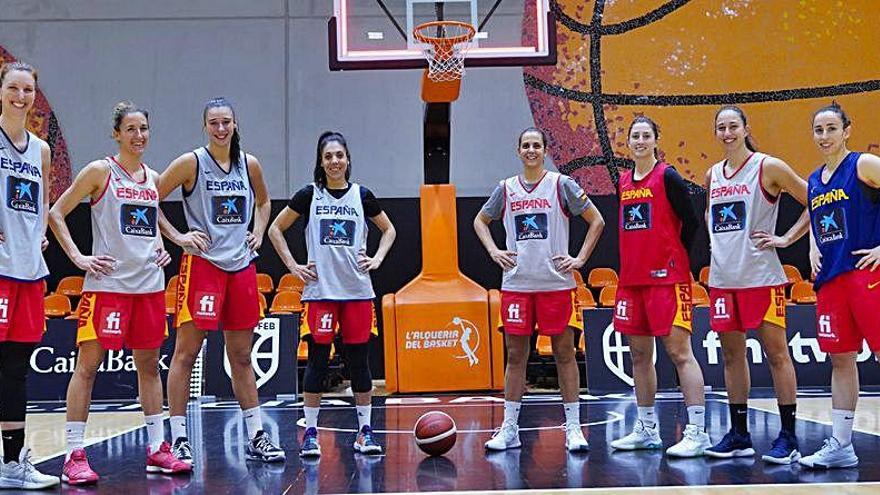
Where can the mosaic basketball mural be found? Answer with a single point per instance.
(678, 61)
(43, 122)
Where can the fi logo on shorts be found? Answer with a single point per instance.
(22, 194)
(830, 225)
(531, 226)
(138, 220)
(227, 209)
(728, 217)
(637, 216)
(337, 232)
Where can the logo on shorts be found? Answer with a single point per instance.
(22, 194)
(620, 310)
(206, 306)
(637, 216)
(531, 226)
(872, 286)
(228, 209)
(513, 313)
(728, 217)
(138, 220)
(4, 310)
(336, 232)
(721, 309)
(326, 323)
(112, 320)
(825, 330)
(831, 225)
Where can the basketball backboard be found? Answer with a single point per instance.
(378, 34)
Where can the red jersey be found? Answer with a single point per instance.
(651, 251)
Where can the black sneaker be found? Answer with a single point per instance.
(183, 450)
(262, 449)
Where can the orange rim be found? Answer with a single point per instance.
(469, 34)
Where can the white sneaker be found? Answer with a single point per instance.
(641, 437)
(506, 437)
(693, 444)
(23, 475)
(832, 455)
(574, 438)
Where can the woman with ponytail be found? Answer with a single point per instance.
(746, 279)
(338, 289)
(223, 190)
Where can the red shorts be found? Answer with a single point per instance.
(653, 310)
(136, 321)
(846, 312)
(355, 320)
(211, 297)
(550, 311)
(21, 310)
(738, 310)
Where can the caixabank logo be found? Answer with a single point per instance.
(637, 216)
(138, 220)
(831, 225)
(531, 226)
(228, 209)
(22, 195)
(728, 217)
(337, 232)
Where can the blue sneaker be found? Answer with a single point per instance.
(365, 443)
(784, 450)
(310, 447)
(732, 445)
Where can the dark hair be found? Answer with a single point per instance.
(324, 139)
(11, 66)
(750, 142)
(235, 144)
(532, 129)
(835, 108)
(124, 108)
(642, 119)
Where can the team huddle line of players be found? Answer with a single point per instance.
(224, 192)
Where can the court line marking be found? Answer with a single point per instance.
(811, 420)
(614, 417)
(675, 488)
(90, 442)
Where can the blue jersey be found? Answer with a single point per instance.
(845, 217)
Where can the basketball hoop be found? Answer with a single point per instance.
(445, 44)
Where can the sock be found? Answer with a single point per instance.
(511, 412)
(178, 427)
(253, 420)
(363, 414)
(739, 418)
(76, 432)
(787, 414)
(155, 431)
(572, 413)
(648, 416)
(841, 426)
(312, 416)
(13, 442)
(697, 416)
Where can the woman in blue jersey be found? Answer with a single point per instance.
(844, 195)
(338, 289)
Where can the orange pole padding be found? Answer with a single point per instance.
(497, 339)
(389, 331)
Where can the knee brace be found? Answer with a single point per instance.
(316, 368)
(359, 367)
(14, 366)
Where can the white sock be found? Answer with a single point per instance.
(76, 432)
(312, 416)
(842, 425)
(155, 431)
(253, 420)
(363, 414)
(697, 416)
(511, 412)
(572, 413)
(648, 416)
(178, 427)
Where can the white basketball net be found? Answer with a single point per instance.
(445, 48)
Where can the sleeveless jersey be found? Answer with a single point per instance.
(536, 226)
(844, 219)
(221, 205)
(21, 215)
(739, 207)
(335, 234)
(651, 252)
(125, 226)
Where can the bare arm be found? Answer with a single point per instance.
(180, 172)
(262, 204)
(868, 170)
(46, 166)
(591, 215)
(366, 263)
(505, 259)
(90, 182)
(778, 178)
(276, 234)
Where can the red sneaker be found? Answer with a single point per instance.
(163, 461)
(77, 471)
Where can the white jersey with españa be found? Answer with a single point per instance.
(125, 226)
(536, 225)
(21, 215)
(335, 235)
(221, 205)
(738, 207)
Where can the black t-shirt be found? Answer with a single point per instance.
(679, 198)
(302, 200)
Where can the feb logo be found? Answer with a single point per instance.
(831, 225)
(138, 220)
(228, 209)
(531, 226)
(614, 353)
(265, 353)
(337, 232)
(23, 195)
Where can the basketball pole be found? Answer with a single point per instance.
(437, 140)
